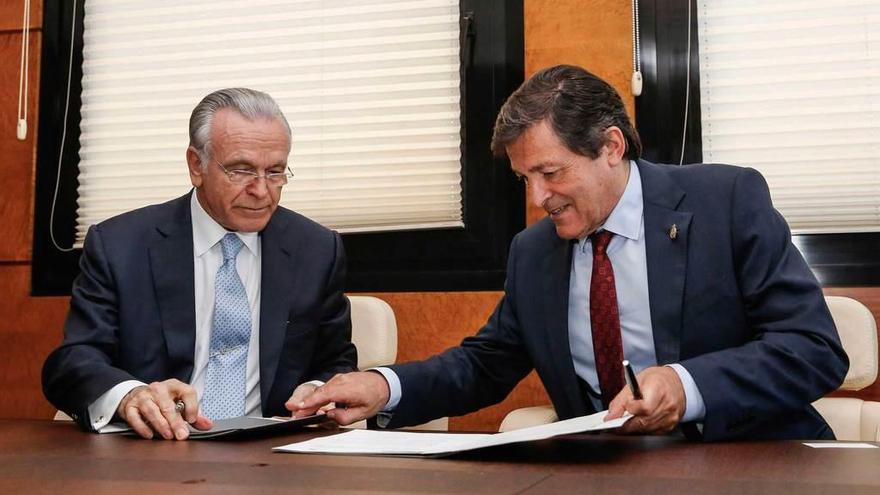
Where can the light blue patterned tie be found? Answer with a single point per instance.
(224, 395)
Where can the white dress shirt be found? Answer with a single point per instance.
(207, 258)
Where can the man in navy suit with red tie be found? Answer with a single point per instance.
(688, 272)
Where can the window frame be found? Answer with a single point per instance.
(842, 259)
(452, 259)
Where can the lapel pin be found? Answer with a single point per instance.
(673, 232)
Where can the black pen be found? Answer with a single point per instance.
(630, 376)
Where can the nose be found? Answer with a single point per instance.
(538, 192)
(259, 187)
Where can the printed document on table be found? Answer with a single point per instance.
(379, 442)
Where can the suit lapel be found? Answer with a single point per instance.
(278, 286)
(556, 272)
(171, 264)
(666, 256)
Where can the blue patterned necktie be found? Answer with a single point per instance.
(224, 395)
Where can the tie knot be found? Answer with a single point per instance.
(231, 245)
(600, 241)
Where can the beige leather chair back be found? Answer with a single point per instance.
(850, 418)
(374, 333)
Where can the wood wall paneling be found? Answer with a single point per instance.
(593, 34)
(31, 328)
(16, 173)
(12, 13)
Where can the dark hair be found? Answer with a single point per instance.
(578, 106)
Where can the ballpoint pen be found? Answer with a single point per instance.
(630, 376)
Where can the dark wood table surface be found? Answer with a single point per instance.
(55, 457)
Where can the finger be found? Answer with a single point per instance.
(133, 417)
(202, 423)
(299, 394)
(617, 406)
(154, 417)
(347, 416)
(162, 394)
(190, 399)
(634, 425)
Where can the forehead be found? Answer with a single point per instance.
(538, 147)
(232, 132)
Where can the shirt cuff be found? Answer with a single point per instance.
(101, 411)
(695, 408)
(393, 387)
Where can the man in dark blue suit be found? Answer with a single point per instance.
(688, 272)
(218, 298)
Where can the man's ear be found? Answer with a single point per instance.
(615, 143)
(196, 169)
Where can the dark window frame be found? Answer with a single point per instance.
(846, 259)
(469, 258)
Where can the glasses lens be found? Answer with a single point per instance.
(241, 177)
(277, 179)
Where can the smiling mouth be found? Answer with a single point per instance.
(557, 211)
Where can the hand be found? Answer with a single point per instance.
(662, 405)
(149, 409)
(363, 393)
(299, 394)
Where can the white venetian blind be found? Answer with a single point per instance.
(370, 88)
(792, 88)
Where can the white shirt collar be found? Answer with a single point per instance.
(626, 218)
(207, 232)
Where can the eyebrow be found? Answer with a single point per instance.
(248, 163)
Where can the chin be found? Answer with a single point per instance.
(567, 233)
(250, 225)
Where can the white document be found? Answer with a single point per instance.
(840, 445)
(379, 442)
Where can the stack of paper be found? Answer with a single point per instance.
(379, 442)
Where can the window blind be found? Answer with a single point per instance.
(791, 88)
(371, 90)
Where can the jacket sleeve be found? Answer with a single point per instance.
(81, 368)
(794, 356)
(334, 353)
(481, 371)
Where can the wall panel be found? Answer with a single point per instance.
(16, 172)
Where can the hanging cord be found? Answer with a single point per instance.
(21, 125)
(687, 86)
(637, 51)
(63, 136)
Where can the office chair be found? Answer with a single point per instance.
(849, 418)
(374, 333)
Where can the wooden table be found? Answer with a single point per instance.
(54, 457)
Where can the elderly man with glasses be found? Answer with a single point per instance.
(217, 304)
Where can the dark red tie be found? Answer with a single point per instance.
(605, 320)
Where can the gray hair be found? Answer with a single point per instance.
(578, 105)
(249, 103)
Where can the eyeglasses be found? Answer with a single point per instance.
(247, 177)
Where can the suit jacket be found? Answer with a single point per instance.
(731, 299)
(132, 310)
